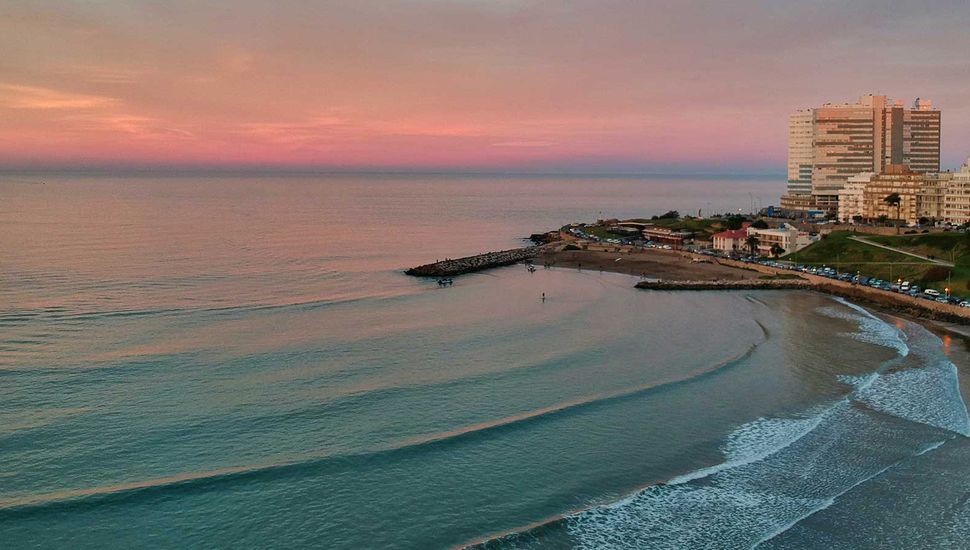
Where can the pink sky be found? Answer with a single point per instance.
(490, 84)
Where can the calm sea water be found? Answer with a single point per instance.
(239, 362)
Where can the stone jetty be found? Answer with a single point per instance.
(744, 284)
(458, 266)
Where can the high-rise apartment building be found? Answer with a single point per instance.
(800, 157)
(827, 145)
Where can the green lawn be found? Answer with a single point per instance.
(951, 247)
(703, 228)
(837, 250)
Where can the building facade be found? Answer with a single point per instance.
(956, 199)
(851, 204)
(931, 196)
(800, 157)
(827, 145)
(895, 179)
(732, 240)
(667, 236)
(787, 237)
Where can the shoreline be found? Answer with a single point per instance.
(678, 270)
(674, 270)
(936, 327)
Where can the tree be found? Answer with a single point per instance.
(669, 215)
(893, 199)
(883, 219)
(735, 221)
(857, 219)
(752, 241)
(777, 250)
(760, 224)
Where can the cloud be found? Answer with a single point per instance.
(376, 81)
(523, 143)
(17, 96)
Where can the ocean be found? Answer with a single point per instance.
(238, 361)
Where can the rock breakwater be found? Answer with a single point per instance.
(459, 266)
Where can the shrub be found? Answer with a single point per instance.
(935, 273)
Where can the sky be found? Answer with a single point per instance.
(543, 85)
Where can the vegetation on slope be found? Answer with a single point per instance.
(838, 250)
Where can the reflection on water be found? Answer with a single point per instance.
(196, 363)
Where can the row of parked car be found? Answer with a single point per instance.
(901, 287)
(580, 233)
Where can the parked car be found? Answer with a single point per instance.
(931, 292)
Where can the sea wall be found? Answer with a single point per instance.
(744, 284)
(901, 303)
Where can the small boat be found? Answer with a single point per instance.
(531, 268)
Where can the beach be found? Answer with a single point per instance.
(655, 264)
(220, 346)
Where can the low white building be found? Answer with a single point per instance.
(851, 197)
(787, 237)
(956, 198)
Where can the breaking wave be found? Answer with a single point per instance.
(872, 329)
(779, 471)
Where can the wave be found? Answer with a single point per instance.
(64, 315)
(831, 501)
(745, 505)
(779, 471)
(756, 441)
(827, 503)
(872, 329)
(202, 480)
(928, 395)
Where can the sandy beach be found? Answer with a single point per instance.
(654, 264)
(678, 266)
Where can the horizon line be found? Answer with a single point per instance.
(191, 169)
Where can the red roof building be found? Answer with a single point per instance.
(732, 239)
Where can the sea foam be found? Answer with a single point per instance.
(872, 329)
(778, 471)
(928, 395)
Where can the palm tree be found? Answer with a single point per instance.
(893, 199)
(752, 241)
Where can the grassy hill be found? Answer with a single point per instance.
(953, 247)
(837, 249)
